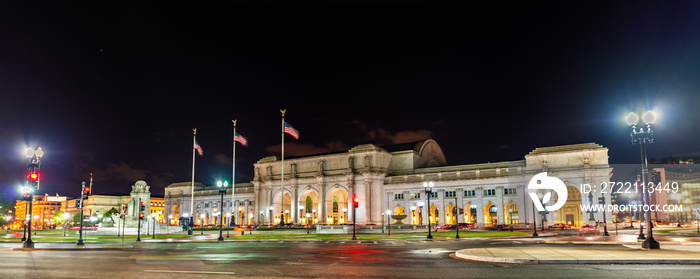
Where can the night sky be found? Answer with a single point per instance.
(115, 88)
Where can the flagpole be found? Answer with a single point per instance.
(194, 141)
(233, 173)
(90, 184)
(282, 180)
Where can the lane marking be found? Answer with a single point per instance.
(189, 271)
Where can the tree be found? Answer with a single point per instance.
(58, 218)
(109, 213)
(5, 208)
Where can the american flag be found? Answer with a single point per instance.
(237, 137)
(290, 130)
(199, 148)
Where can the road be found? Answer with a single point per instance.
(303, 259)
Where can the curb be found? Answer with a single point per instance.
(464, 256)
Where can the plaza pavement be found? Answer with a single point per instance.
(623, 249)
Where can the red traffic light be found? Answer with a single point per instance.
(87, 190)
(355, 201)
(33, 176)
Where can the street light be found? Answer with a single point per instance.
(270, 218)
(643, 137)
(345, 215)
(428, 191)
(307, 222)
(66, 216)
(222, 190)
(510, 212)
(420, 213)
(33, 164)
(413, 214)
(388, 219)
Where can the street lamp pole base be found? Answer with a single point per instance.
(650, 244)
(28, 244)
(221, 238)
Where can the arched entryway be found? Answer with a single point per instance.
(490, 215)
(571, 213)
(174, 215)
(470, 213)
(415, 217)
(308, 205)
(281, 212)
(511, 213)
(337, 206)
(451, 215)
(434, 215)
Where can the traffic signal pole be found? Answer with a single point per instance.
(138, 233)
(80, 231)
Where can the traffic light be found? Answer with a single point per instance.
(143, 207)
(27, 193)
(355, 201)
(140, 216)
(77, 203)
(461, 211)
(86, 191)
(655, 177)
(33, 178)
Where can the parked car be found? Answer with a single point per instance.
(559, 226)
(588, 229)
(466, 225)
(501, 227)
(446, 227)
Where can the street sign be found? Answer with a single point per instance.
(696, 210)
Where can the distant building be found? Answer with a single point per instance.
(43, 210)
(687, 177)
(391, 178)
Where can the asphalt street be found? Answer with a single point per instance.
(303, 259)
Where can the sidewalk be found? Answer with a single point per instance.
(579, 255)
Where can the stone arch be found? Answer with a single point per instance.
(282, 212)
(451, 215)
(434, 214)
(251, 217)
(175, 213)
(490, 214)
(314, 210)
(340, 195)
(398, 210)
(471, 212)
(206, 219)
(511, 209)
(571, 213)
(198, 220)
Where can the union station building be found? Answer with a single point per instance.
(389, 180)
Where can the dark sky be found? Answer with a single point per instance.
(114, 88)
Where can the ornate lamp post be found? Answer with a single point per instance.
(510, 213)
(345, 215)
(428, 191)
(534, 220)
(222, 190)
(643, 137)
(270, 219)
(33, 164)
(605, 221)
(420, 213)
(388, 219)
